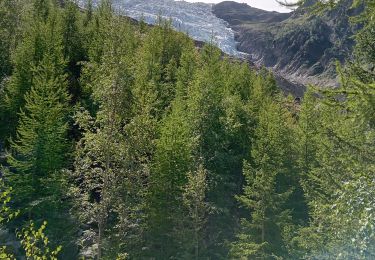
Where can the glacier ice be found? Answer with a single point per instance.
(195, 19)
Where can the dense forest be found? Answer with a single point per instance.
(121, 140)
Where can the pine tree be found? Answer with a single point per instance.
(97, 29)
(342, 168)
(9, 23)
(108, 181)
(174, 157)
(266, 191)
(74, 51)
(40, 148)
(40, 36)
(194, 199)
(89, 13)
(223, 123)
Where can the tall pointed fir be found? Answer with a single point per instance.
(216, 116)
(40, 35)
(40, 148)
(174, 157)
(9, 36)
(74, 51)
(339, 185)
(266, 191)
(107, 181)
(9, 26)
(197, 211)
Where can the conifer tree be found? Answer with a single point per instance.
(174, 158)
(194, 199)
(74, 51)
(162, 137)
(265, 192)
(343, 148)
(107, 188)
(9, 23)
(97, 29)
(40, 147)
(155, 75)
(89, 13)
(309, 120)
(40, 36)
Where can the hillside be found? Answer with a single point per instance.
(302, 48)
(126, 140)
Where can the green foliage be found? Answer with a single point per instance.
(180, 152)
(194, 199)
(73, 47)
(40, 36)
(9, 13)
(339, 174)
(107, 174)
(40, 148)
(266, 192)
(6, 214)
(174, 157)
(36, 243)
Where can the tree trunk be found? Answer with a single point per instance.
(100, 226)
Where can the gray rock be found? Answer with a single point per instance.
(300, 48)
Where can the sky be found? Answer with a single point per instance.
(270, 5)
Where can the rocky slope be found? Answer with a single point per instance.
(299, 47)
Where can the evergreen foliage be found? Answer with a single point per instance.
(40, 148)
(132, 142)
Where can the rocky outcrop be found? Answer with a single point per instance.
(298, 46)
(239, 13)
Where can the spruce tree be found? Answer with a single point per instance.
(266, 191)
(9, 26)
(342, 164)
(40, 36)
(39, 151)
(40, 147)
(198, 209)
(74, 51)
(107, 180)
(174, 158)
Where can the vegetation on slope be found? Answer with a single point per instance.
(301, 46)
(133, 143)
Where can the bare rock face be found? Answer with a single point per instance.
(298, 46)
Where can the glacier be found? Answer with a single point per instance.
(195, 19)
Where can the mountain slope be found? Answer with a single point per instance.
(195, 19)
(198, 20)
(299, 47)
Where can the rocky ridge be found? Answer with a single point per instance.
(300, 47)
